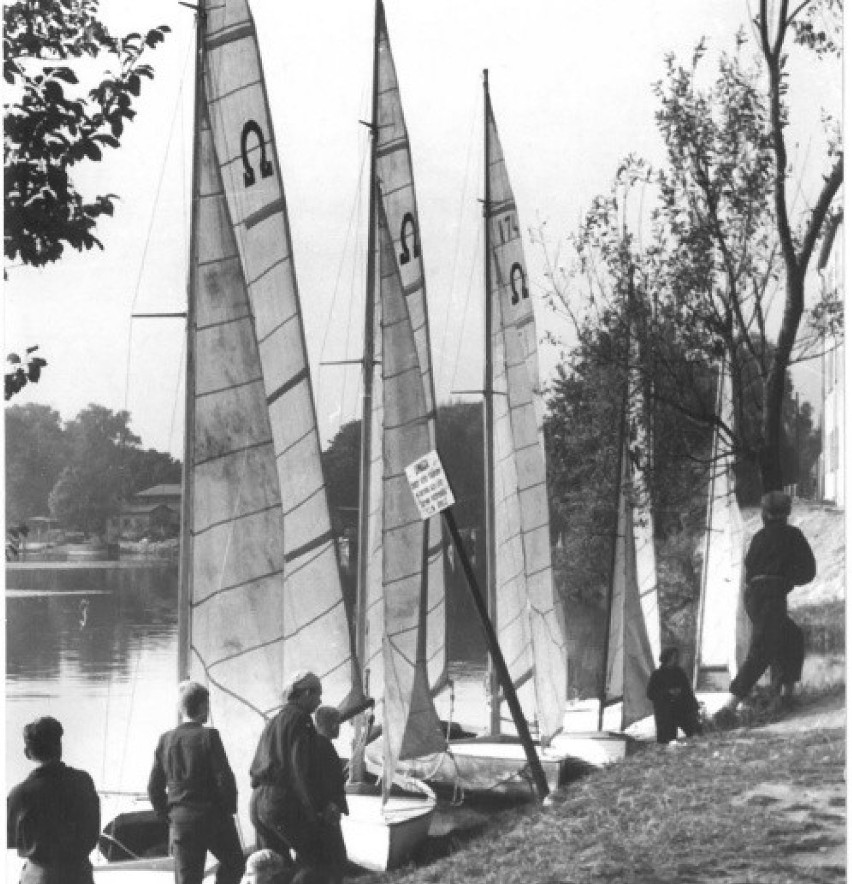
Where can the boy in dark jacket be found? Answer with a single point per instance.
(53, 816)
(779, 558)
(333, 788)
(192, 785)
(674, 702)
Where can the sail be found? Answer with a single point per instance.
(629, 662)
(410, 722)
(527, 621)
(722, 628)
(640, 441)
(394, 173)
(264, 589)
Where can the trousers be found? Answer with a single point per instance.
(776, 641)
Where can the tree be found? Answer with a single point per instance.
(796, 251)
(50, 128)
(703, 281)
(19, 373)
(35, 454)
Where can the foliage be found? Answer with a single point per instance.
(20, 373)
(50, 126)
(460, 444)
(35, 454)
(698, 290)
(80, 473)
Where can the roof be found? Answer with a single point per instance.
(160, 491)
(142, 509)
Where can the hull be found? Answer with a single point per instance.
(595, 748)
(381, 838)
(377, 838)
(486, 765)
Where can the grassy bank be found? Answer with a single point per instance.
(729, 808)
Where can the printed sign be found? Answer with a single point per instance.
(429, 485)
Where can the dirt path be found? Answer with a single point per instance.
(817, 808)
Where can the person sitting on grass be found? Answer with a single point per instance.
(674, 702)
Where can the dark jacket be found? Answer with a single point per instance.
(191, 777)
(287, 758)
(669, 684)
(53, 818)
(780, 551)
(332, 780)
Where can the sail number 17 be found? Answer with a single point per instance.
(507, 227)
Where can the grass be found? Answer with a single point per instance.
(705, 812)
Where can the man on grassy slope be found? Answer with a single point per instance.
(779, 557)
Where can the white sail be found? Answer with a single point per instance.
(640, 441)
(722, 629)
(395, 177)
(527, 621)
(629, 662)
(410, 723)
(264, 588)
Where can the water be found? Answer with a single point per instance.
(96, 649)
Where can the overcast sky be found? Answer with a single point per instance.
(571, 85)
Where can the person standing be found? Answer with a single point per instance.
(333, 790)
(53, 818)
(192, 786)
(779, 558)
(289, 808)
(674, 702)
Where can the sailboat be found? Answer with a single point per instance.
(722, 624)
(522, 606)
(260, 590)
(632, 641)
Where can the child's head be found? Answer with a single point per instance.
(193, 701)
(266, 867)
(328, 722)
(670, 657)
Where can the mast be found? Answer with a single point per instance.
(708, 529)
(357, 768)
(187, 482)
(488, 420)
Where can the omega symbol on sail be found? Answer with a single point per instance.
(519, 283)
(406, 229)
(249, 177)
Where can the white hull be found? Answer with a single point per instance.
(376, 838)
(594, 747)
(485, 765)
(380, 838)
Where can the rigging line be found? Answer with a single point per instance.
(463, 199)
(352, 285)
(178, 110)
(128, 721)
(473, 269)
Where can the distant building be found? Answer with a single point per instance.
(152, 512)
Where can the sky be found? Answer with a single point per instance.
(571, 87)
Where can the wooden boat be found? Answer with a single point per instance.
(722, 629)
(260, 589)
(399, 612)
(598, 732)
(522, 606)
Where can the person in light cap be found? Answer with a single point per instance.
(779, 558)
(288, 808)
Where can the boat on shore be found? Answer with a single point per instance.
(260, 591)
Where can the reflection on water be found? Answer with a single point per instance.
(97, 649)
(101, 658)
